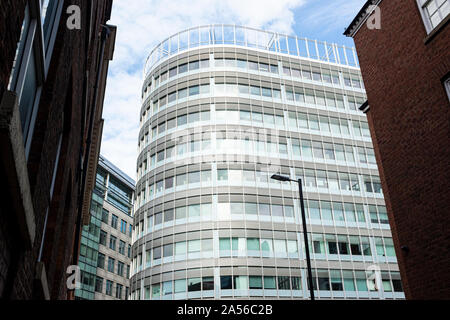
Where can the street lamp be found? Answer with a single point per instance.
(305, 235)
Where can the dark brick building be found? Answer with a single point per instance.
(54, 58)
(406, 69)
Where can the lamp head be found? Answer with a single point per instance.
(280, 178)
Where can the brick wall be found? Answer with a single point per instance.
(11, 17)
(409, 121)
(62, 111)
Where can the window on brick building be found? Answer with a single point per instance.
(27, 76)
(433, 12)
(447, 87)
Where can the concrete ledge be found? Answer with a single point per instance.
(14, 167)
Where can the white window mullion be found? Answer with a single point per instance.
(433, 12)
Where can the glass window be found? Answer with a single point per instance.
(180, 248)
(180, 285)
(255, 90)
(224, 244)
(276, 93)
(180, 213)
(194, 177)
(314, 122)
(243, 89)
(434, 12)
(183, 93)
(194, 65)
(266, 245)
(158, 218)
(157, 253)
(193, 117)
(306, 149)
(237, 208)
(226, 283)
(114, 220)
(255, 282)
(258, 117)
(204, 63)
(279, 246)
(277, 210)
(273, 68)
(269, 283)
(284, 283)
(253, 65)
(251, 209)
(361, 281)
(101, 260)
(103, 236)
(350, 212)
(338, 212)
(289, 211)
(168, 250)
(266, 92)
(306, 74)
(242, 64)
(181, 179)
(169, 183)
(264, 209)
(183, 68)
(253, 244)
(240, 282)
(207, 245)
(208, 283)
(194, 90)
(194, 246)
(194, 210)
(194, 284)
(167, 288)
(112, 242)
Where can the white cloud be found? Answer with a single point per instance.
(144, 23)
(334, 15)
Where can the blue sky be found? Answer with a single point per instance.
(144, 23)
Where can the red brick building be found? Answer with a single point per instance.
(406, 69)
(54, 58)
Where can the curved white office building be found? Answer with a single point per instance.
(224, 108)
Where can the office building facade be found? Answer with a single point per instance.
(406, 69)
(105, 253)
(224, 108)
(52, 84)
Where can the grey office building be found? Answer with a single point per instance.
(225, 107)
(105, 250)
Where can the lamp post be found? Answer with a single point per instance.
(305, 235)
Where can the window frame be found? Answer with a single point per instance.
(36, 44)
(447, 87)
(425, 16)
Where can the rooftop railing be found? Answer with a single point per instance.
(223, 34)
